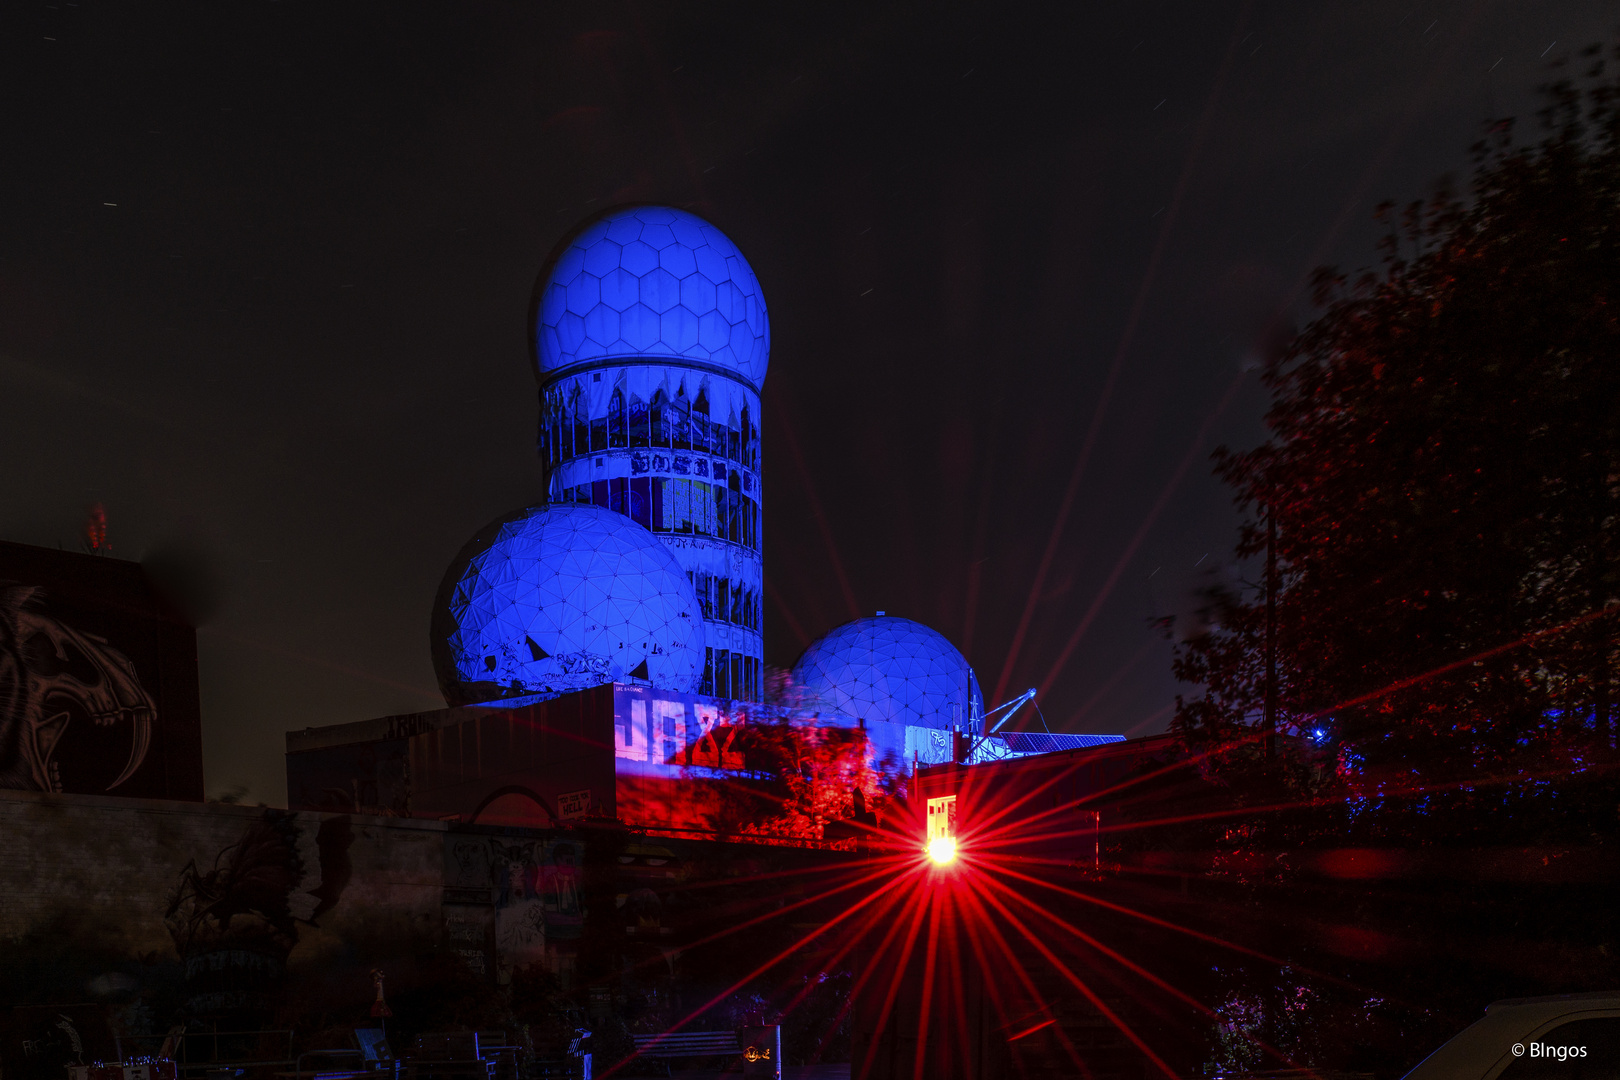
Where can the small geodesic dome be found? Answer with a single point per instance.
(652, 281)
(558, 598)
(891, 669)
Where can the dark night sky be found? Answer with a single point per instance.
(295, 346)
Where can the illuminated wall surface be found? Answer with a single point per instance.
(651, 346)
(668, 735)
(559, 598)
(896, 671)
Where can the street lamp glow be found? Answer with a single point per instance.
(942, 849)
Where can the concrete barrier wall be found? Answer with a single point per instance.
(122, 863)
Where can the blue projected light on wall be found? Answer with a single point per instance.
(891, 669)
(559, 598)
(651, 281)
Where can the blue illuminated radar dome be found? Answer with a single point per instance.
(891, 669)
(652, 281)
(558, 598)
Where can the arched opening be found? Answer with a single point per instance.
(514, 805)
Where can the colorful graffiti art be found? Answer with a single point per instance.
(512, 902)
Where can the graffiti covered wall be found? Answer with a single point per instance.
(238, 914)
(204, 881)
(513, 900)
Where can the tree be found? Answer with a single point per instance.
(1443, 481)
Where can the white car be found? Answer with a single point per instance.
(1567, 1037)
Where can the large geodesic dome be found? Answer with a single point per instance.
(650, 281)
(891, 669)
(558, 598)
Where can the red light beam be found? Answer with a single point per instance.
(1467, 661)
(1081, 985)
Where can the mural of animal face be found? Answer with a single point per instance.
(51, 673)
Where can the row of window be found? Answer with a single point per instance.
(724, 600)
(569, 433)
(734, 675)
(672, 505)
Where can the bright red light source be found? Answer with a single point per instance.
(942, 849)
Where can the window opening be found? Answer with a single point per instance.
(617, 436)
(638, 421)
(582, 425)
(683, 506)
(660, 504)
(700, 419)
(641, 501)
(680, 421)
(660, 421)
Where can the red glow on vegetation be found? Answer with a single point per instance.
(1467, 661)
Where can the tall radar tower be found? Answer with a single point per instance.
(651, 342)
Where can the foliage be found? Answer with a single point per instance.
(800, 775)
(1309, 1021)
(1237, 1035)
(817, 1029)
(818, 770)
(1443, 474)
(1443, 478)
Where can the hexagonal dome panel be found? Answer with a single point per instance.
(892, 669)
(656, 282)
(558, 598)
